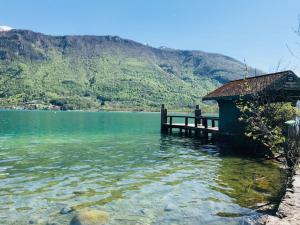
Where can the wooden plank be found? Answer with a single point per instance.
(181, 116)
(192, 126)
(192, 117)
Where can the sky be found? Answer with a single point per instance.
(258, 32)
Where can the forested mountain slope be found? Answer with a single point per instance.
(105, 72)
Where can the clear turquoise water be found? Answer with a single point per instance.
(120, 163)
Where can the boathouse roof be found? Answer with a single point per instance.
(285, 80)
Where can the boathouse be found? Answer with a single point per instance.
(281, 87)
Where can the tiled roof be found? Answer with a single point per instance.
(246, 86)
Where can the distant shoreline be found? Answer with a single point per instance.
(119, 111)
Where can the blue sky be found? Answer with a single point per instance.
(254, 30)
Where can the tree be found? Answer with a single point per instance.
(8, 75)
(264, 114)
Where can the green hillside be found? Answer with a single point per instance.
(105, 72)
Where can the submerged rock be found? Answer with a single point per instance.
(142, 212)
(257, 219)
(170, 207)
(66, 210)
(51, 223)
(37, 221)
(90, 217)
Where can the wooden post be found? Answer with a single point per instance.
(213, 123)
(170, 124)
(205, 133)
(290, 127)
(204, 122)
(197, 115)
(197, 119)
(163, 119)
(186, 122)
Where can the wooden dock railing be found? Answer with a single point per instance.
(201, 120)
(200, 124)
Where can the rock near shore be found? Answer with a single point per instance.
(90, 217)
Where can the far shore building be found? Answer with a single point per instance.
(281, 87)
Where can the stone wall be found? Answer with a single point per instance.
(289, 209)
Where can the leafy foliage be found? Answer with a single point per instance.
(265, 123)
(264, 120)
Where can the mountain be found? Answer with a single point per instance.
(105, 72)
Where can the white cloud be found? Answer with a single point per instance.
(5, 28)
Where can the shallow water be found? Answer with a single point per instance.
(120, 163)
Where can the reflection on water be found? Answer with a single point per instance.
(119, 163)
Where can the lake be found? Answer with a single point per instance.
(120, 163)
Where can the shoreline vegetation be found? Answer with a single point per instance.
(213, 109)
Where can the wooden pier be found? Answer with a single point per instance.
(197, 125)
